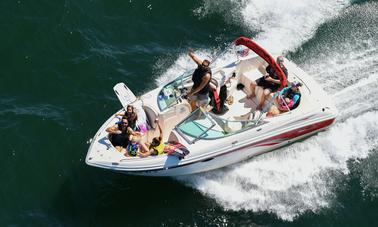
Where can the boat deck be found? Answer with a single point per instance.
(214, 126)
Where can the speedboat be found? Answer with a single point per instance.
(200, 140)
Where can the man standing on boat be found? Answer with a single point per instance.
(201, 82)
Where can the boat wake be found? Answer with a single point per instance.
(302, 176)
(281, 24)
(294, 179)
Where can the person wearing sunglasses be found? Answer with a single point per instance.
(120, 134)
(131, 116)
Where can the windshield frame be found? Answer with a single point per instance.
(212, 120)
(172, 91)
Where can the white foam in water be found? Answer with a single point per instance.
(295, 179)
(350, 76)
(182, 64)
(282, 24)
(285, 24)
(290, 181)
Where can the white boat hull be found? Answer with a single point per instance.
(315, 113)
(230, 158)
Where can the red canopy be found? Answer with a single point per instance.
(265, 55)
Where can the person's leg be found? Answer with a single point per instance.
(203, 101)
(193, 102)
(125, 152)
(145, 154)
(144, 147)
(119, 148)
(252, 86)
(263, 98)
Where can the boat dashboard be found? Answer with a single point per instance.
(174, 92)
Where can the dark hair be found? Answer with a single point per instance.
(130, 106)
(155, 141)
(206, 61)
(240, 86)
(299, 84)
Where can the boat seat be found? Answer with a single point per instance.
(151, 116)
(246, 79)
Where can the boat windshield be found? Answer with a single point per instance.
(205, 125)
(172, 92)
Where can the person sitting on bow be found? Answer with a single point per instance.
(120, 134)
(131, 116)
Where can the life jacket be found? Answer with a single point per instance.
(132, 149)
(159, 148)
(219, 100)
(297, 103)
(290, 94)
(217, 104)
(198, 74)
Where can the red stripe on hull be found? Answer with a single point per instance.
(297, 132)
(268, 144)
(283, 136)
(287, 135)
